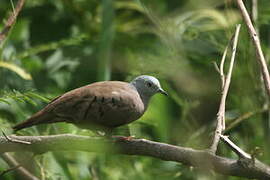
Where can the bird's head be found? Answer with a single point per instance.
(147, 85)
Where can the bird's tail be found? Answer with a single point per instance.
(38, 118)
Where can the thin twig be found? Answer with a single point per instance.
(235, 148)
(266, 114)
(15, 140)
(9, 170)
(12, 5)
(256, 42)
(11, 20)
(254, 12)
(41, 168)
(245, 116)
(232, 122)
(216, 66)
(222, 62)
(221, 67)
(12, 162)
(220, 127)
(92, 170)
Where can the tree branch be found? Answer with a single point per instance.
(188, 156)
(15, 166)
(235, 148)
(256, 42)
(225, 84)
(11, 20)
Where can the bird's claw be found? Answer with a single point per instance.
(123, 138)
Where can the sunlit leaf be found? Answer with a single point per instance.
(34, 95)
(21, 72)
(4, 101)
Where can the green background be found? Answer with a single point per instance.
(56, 46)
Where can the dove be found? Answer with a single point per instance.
(100, 106)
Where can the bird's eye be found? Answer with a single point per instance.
(149, 84)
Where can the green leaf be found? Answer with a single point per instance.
(37, 96)
(4, 101)
(16, 69)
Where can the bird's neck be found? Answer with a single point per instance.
(144, 97)
(145, 100)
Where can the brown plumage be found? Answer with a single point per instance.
(98, 106)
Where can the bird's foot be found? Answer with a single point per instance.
(123, 138)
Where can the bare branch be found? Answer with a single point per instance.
(11, 161)
(235, 148)
(11, 20)
(9, 170)
(216, 66)
(256, 42)
(254, 14)
(14, 140)
(245, 116)
(188, 156)
(226, 80)
(221, 67)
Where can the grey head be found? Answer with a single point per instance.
(147, 86)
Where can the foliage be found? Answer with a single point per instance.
(56, 46)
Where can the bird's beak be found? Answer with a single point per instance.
(163, 92)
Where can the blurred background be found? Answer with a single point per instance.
(56, 46)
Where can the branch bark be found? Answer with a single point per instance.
(11, 20)
(255, 39)
(15, 166)
(202, 159)
(235, 148)
(225, 84)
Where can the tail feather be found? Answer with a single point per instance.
(38, 118)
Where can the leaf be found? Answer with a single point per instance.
(16, 69)
(53, 46)
(5, 101)
(136, 6)
(27, 99)
(37, 96)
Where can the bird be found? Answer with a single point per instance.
(100, 106)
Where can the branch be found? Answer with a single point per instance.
(256, 42)
(188, 156)
(225, 84)
(15, 166)
(245, 116)
(11, 20)
(14, 140)
(235, 148)
(254, 14)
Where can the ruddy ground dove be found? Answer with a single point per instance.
(101, 106)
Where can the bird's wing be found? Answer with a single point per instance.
(109, 103)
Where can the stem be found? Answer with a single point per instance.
(106, 40)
